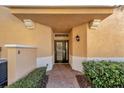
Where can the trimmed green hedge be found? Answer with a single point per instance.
(104, 74)
(32, 80)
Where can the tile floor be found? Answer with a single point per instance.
(62, 76)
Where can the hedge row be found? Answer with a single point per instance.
(104, 74)
(32, 80)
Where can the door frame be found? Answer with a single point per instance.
(55, 51)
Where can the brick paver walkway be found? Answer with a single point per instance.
(62, 76)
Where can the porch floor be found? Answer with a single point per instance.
(62, 76)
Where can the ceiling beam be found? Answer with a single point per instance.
(84, 10)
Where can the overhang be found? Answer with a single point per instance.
(62, 19)
(61, 10)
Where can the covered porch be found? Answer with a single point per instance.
(50, 24)
(58, 24)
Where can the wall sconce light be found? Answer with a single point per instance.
(29, 24)
(94, 24)
(77, 38)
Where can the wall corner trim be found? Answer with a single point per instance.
(43, 61)
(19, 46)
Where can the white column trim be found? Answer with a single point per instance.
(43, 61)
(117, 59)
(76, 61)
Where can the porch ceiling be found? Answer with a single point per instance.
(62, 19)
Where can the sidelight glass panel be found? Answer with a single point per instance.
(67, 50)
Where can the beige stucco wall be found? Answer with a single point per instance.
(13, 31)
(21, 64)
(78, 48)
(42, 38)
(108, 39)
(105, 43)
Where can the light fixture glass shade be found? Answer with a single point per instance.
(28, 23)
(94, 24)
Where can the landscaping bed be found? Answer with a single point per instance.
(35, 79)
(104, 74)
(83, 81)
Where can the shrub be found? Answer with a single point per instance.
(32, 80)
(105, 74)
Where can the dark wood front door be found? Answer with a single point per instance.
(61, 51)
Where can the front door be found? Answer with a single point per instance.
(61, 51)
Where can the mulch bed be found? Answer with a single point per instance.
(83, 81)
(44, 82)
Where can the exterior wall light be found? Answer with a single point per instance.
(78, 38)
(94, 24)
(29, 24)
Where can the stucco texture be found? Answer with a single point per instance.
(78, 48)
(108, 39)
(13, 31)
